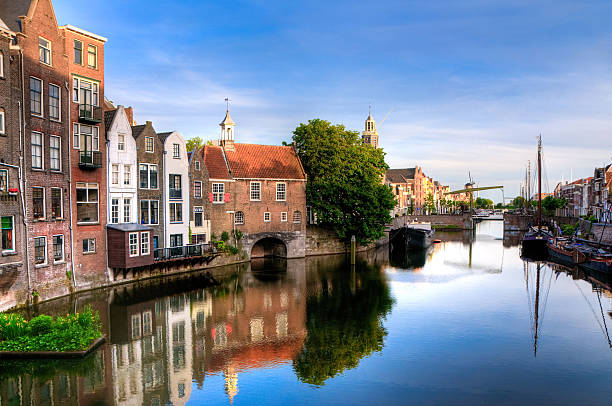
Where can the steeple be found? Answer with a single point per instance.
(370, 135)
(227, 130)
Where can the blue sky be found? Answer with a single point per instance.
(470, 83)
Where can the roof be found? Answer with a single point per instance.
(215, 162)
(137, 130)
(128, 227)
(400, 175)
(227, 120)
(254, 161)
(163, 136)
(109, 116)
(11, 10)
(84, 32)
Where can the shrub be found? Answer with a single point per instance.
(592, 219)
(40, 325)
(568, 229)
(232, 250)
(238, 235)
(12, 326)
(225, 236)
(213, 237)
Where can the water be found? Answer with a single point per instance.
(453, 325)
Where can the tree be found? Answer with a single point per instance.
(482, 203)
(550, 204)
(430, 205)
(344, 185)
(518, 202)
(193, 143)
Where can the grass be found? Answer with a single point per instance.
(445, 227)
(74, 332)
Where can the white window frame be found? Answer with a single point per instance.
(90, 242)
(42, 97)
(114, 214)
(59, 103)
(95, 90)
(198, 210)
(175, 221)
(76, 139)
(87, 187)
(133, 247)
(255, 191)
(44, 203)
(61, 215)
(42, 151)
(144, 243)
(6, 184)
(127, 210)
(2, 122)
(267, 217)
(176, 151)
(49, 50)
(44, 238)
(1, 64)
(283, 217)
(120, 143)
(115, 174)
(284, 192)
(148, 176)
(149, 210)
(63, 249)
(52, 137)
(239, 218)
(220, 192)
(127, 175)
(197, 195)
(300, 219)
(152, 145)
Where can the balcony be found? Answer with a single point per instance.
(90, 159)
(176, 193)
(186, 251)
(90, 114)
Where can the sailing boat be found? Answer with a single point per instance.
(535, 240)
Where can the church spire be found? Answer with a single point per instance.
(227, 129)
(370, 135)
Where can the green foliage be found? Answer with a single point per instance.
(482, 203)
(344, 185)
(518, 202)
(74, 332)
(568, 229)
(430, 205)
(193, 143)
(445, 227)
(343, 325)
(232, 250)
(213, 237)
(550, 204)
(238, 235)
(592, 219)
(225, 236)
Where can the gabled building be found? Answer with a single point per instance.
(176, 189)
(150, 194)
(199, 206)
(599, 201)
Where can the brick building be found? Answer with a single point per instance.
(199, 218)
(150, 157)
(412, 180)
(88, 145)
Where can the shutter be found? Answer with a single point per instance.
(210, 197)
(227, 198)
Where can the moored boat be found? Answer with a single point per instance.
(565, 252)
(419, 235)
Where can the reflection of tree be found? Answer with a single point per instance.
(344, 323)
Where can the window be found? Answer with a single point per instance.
(114, 211)
(55, 160)
(297, 217)
(92, 56)
(175, 187)
(197, 189)
(133, 244)
(148, 176)
(176, 151)
(8, 232)
(127, 210)
(198, 216)
(198, 238)
(255, 190)
(239, 218)
(218, 191)
(197, 165)
(149, 145)
(149, 212)
(40, 250)
(36, 96)
(144, 243)
(115, 174)
(38, 203)
(121, 142)
(85, 92)
(37, 150)
(127, 172)
(76, 141)
(3, 180)
(1, 64)
(267, 217)
(44, 51)
(176, 212)
(86, 136)
(284, 216)
(58, 248)
(89, 245)
(56, 203)
(281, 192)
(87, 202)
(54, 102)
(176, 240)
(2, 126)
(78, 52)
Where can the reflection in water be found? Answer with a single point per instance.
(458, 323)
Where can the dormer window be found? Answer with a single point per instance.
(44, 50)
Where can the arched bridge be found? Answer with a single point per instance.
(288, 244)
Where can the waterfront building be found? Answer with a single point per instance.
(176, 189)
(401, 186)
(599, 201)
(199, 206)
(122, 168)
(370, 134)
(88, 198)
(150, 194)
(413, 181)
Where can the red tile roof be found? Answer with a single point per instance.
(264, 162)
(215, 162)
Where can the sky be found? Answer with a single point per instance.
(463, 86)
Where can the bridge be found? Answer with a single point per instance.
(285, 244)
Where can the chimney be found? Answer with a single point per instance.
(130, 115)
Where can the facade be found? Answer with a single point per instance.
(150, 195)
(122, 167)
(600, 203)
(409, 186)
(199, 206)
(176, 189)
(370, 134)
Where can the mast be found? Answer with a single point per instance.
(540, 183)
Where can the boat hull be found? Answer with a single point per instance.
(419, 239)
(598, 265)
(560, 256)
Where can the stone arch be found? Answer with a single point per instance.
(269, 247)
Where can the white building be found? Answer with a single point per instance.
(176, 189)
(121, 166)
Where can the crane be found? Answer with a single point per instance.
(469, 188)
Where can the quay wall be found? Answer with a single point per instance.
(463, 221)
(322, 241)
(517, 222)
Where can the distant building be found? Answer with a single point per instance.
(370, 134)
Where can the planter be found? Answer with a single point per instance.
(52, 354)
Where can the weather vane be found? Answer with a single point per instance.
(227, 100)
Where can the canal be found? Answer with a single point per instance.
(466, 322)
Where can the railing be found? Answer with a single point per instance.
(176, 193)
(185, 251)
(89, 113)
(90, 159)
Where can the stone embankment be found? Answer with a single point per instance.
(462, 221)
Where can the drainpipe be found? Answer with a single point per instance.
(22, 180)
(107, 271)
(68, 98)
